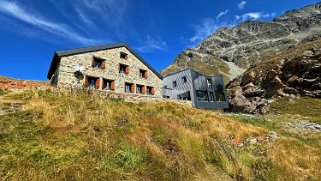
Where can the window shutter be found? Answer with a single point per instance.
(103, 64)
(144, 89)
(112, 85)
(152, 91)
(127, 70)
(102, 83)
(97, 83)
(133, 88)
(145, 74)
(126, 57)
(86, 81)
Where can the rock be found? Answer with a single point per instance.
(272, 136)
(252, 141)
(240, 145)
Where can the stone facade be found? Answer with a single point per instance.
(64, 75)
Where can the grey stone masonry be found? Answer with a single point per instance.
(64, 75)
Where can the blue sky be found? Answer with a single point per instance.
(31, 31)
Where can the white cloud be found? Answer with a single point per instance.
(151, 44)
(14, 10)
(222, 13)
(112, 11)
(241, 5)
(206, 27)
(254, 16)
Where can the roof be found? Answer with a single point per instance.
(192, 71)
(58, 54)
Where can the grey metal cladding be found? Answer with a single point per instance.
(181, 87)
(195, 82)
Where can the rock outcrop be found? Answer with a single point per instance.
(250, 42)
(295, 72)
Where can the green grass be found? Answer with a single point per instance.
(303, 107)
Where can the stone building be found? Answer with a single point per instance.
(116, 68)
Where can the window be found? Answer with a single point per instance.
(184, 79)
(129, 87)
(220, 97)
(98, 63)
(174, 84)
(165, 87)
(123, 55)
(123, 68)
(140, 89)
(212, 99)
(92, 82)
(150, 90)
(108, 84)
(209, 83)
(202, 96)
(184, 96)
(143, 73)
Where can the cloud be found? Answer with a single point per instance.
(12, 9)
(151, 44)
(112, 11)
(254, 16)
(241, 5)
(204, 29)
(222, 13)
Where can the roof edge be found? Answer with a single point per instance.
(58, 54)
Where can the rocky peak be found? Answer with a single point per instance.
(251, 42)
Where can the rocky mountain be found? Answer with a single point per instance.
(295, 72)
(232, 50)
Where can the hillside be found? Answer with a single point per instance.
(231, 51)
(55, 136)
(11, 83)
(295, 72)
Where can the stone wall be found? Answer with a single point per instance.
(66, 78)
(128, 97)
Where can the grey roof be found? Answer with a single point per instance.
(190, 70)
(56, 58)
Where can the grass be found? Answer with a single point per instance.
(303, 107)
(80, 137)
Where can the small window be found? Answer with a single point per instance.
(174, 84)
(150, 90)
(129, 87)
(140, 89)
(108, 84)
(123, 55)
(184, 79)
(124, 69)
(143, 73)
(209, 83)
(98, 63)
(165, 87)
(92, 82)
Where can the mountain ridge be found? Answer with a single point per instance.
(250, 42)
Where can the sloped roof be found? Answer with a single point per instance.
(57, 56)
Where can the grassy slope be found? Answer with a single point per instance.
(302, 108)
(76, 137)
